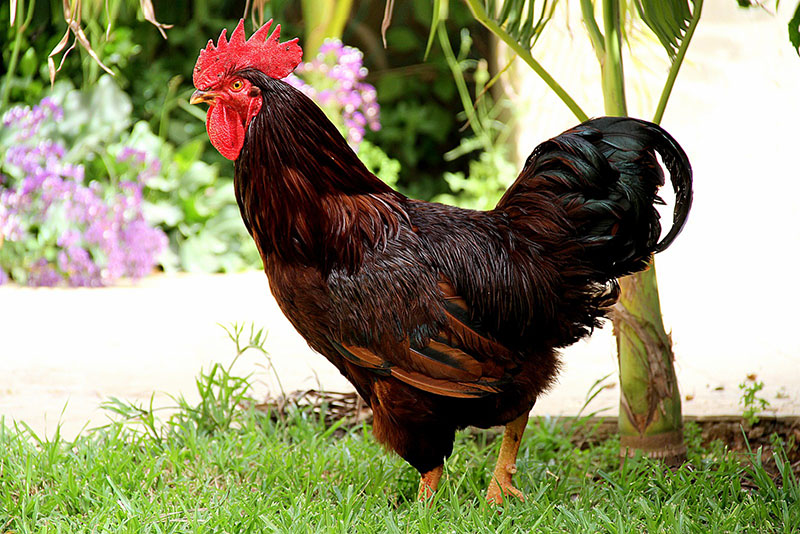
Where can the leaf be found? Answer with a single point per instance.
(162, 213)
(521, 19)
(403, 39)
(72, 15)
(440, 13)
(387, 19)
(150, 16)
(668, 19)
(200, 253)
(794, 30)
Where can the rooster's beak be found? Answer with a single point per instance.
(202, 96)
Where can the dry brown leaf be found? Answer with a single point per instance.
(150, 16)
(51, 66)
(257, 6)
(387, 19)
(255, 10)
(72, 16)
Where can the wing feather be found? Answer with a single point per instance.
(460, 361)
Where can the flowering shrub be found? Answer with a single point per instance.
(54, 228)
(82, 188)
(334, 79)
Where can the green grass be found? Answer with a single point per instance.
(218, 467)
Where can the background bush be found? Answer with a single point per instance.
(144, 108)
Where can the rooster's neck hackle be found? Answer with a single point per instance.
(303, 193)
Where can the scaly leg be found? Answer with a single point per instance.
(428, 483)
(506, 462)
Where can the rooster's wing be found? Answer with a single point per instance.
(457, 360)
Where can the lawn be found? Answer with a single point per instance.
(224, 465)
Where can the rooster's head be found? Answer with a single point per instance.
(233, 100)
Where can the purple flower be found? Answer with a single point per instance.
(139, 160)
(338, 72)
(28, 120)
(3, 277)
(43, 274)
(95, 233)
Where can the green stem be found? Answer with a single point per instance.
(595, 35)
(113, 179)
(339, 19)
(612, 72)
(323, 19)
(481, 16)
(461, 85)
(676, 64)
(168, 106)
(12, 64)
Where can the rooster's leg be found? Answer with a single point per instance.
(428, 483)
(506, 462)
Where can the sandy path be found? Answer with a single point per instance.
(68, 350)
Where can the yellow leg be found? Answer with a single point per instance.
(428, 483)
(506, 462)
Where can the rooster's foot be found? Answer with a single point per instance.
(501, 484)
(428, 483)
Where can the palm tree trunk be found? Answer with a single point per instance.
(650, 418)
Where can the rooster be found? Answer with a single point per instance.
(441, 317)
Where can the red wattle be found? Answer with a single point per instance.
(225, 130)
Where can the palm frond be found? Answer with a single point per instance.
(794, 30)
(669, 20)
(519, 23)
(523, 20)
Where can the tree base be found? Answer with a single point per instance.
(668, 447)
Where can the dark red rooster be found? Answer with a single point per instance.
(441, 317)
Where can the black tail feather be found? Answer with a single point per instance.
(606, 176)
(618, 132)
(680, 175)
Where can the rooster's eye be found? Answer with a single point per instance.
(237, 85)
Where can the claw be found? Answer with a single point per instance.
(501, 485)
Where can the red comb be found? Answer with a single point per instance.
(267, 54)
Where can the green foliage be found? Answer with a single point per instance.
(794, 29)
(752, 403)
(376, 160)
(418, 97)
(195, 206)
(489, 176)
(668, 19)
(523, 20)
(492, 172)
(298, 474)
(185, 197)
